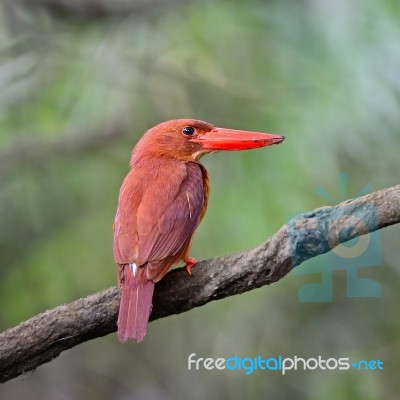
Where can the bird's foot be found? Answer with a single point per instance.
(190, 262)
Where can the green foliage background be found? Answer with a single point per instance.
(78, 92)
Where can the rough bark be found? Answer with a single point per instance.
(45, 336)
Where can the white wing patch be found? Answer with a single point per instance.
(190, 208)
(133, 268)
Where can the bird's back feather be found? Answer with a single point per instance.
(161, 203)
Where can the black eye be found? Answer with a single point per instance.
(188, 130)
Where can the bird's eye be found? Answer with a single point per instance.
(188, 130)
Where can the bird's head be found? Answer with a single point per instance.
(189, 139)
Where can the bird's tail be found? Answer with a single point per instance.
(136, 302)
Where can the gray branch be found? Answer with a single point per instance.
(89, 10)
(45, 336)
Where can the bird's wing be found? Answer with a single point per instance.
(157, 216)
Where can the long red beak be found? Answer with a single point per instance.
(232, 139)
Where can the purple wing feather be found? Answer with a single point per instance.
(157, 215)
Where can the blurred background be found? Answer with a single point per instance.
(79, 84)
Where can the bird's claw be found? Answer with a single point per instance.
(190, 262)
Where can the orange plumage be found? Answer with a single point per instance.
(161, 202)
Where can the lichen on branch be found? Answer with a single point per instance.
(43, 337)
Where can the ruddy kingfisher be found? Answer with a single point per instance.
(161, 203)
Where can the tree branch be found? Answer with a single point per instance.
(89, 10)
(45, 336)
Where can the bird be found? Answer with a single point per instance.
(161, 202)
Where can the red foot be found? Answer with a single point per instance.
(190, 262)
